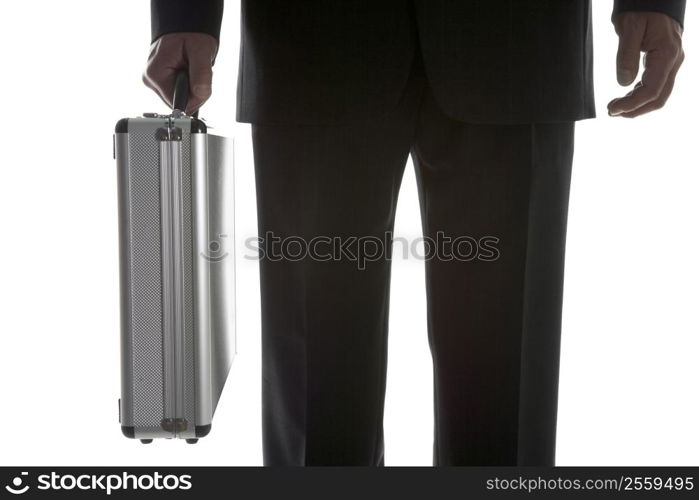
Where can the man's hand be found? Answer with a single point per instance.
(171, 52)
(660, 37)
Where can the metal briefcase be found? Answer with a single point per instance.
(175, 189)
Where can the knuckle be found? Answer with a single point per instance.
(677, 37)
(655, 93)
(150, 72)
(628, 23)
(172, 38)
(664, 53)
(672, 49)
(659, 103)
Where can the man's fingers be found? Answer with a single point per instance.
(659, 65)
(662, 98)
(163, 86)
(629, 51)
(166, 57)
(659, 37)
(173, 52)
(200, 58)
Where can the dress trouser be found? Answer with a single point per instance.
(496, 196)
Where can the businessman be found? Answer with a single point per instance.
(484, 96)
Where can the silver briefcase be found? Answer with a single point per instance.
(175, 189)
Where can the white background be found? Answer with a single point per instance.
(628, 386)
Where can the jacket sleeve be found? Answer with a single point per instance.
(200, 16)
(673, 8)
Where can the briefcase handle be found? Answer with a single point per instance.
(181, 93)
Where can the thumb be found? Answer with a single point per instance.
(200, 76)
(629, 53)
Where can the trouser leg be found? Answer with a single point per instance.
(324, 321)
(500, 192)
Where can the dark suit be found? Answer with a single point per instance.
(484, 96)
(495, 61)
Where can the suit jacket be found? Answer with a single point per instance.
(487, 61)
